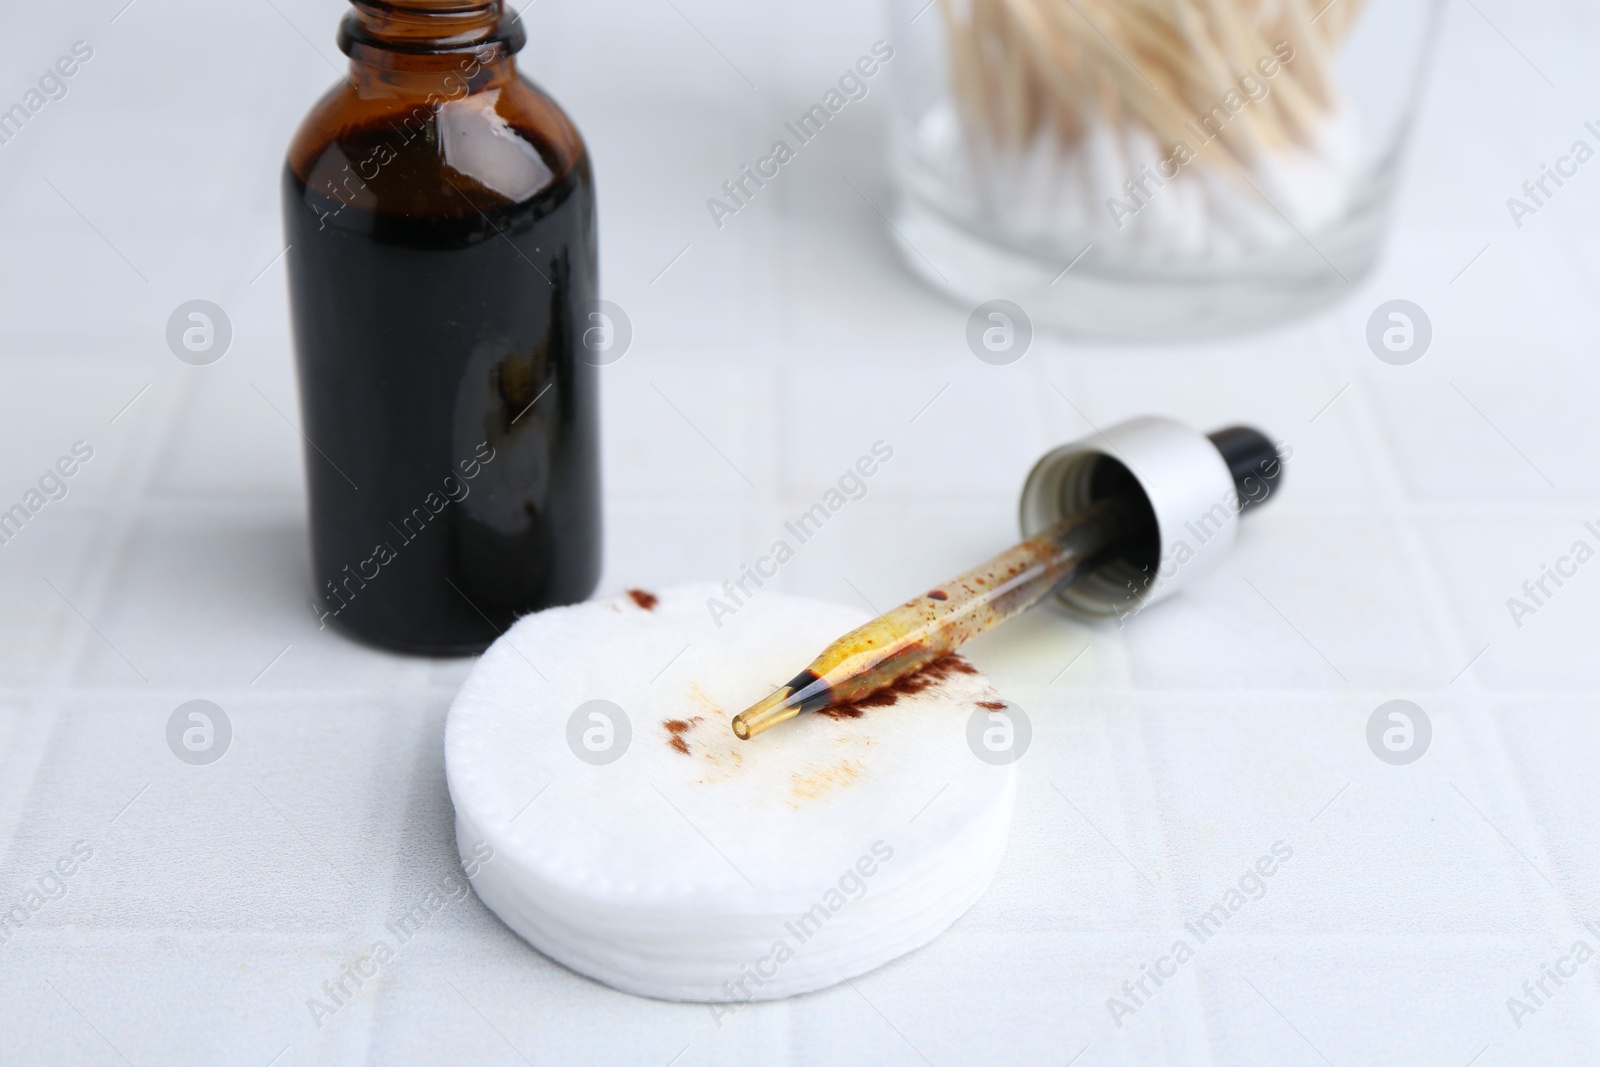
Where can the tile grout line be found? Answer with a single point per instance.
(90, 583)
(1498, 778)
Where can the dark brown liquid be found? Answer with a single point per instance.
(453, 463)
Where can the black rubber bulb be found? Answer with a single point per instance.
(1253, 461)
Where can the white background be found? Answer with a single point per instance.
(1165, 760)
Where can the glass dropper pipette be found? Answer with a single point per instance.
(929, 627)
(1181, 481)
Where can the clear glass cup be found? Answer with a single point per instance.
(1151, 170)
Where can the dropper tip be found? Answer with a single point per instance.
(765, 714)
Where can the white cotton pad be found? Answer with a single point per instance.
(695, 866)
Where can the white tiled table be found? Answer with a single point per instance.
(1171, 755)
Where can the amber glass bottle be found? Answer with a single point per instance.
(440, 215)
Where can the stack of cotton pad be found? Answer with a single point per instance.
(695, 866)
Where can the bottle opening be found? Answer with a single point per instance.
(429, 27)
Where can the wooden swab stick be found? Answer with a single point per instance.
(1022, 68)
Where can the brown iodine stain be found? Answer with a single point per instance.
(704, 702)
(677, 728)
(647, 601)
(932, 675)
(817, 779)
(992, 705)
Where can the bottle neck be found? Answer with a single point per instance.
(415, 46)
(429, 27)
